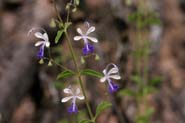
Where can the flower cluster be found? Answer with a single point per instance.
(110, 72)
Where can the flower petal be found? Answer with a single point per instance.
(65, 99)
(76, 38)
(47, 43)
(79, 31)
(39, 43)
(103, 79)
(77, 91)
(104, 71)
(115, 77)
(68, 91)
(39, 35)
(113, 70)
(92, 39)
(91, 29)
(45, 37)
(80, 97)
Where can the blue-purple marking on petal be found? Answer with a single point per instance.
(40, 54)
(73, 108)
(113, 87)
(88, 49)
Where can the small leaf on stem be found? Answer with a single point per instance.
(58, 36)
(127, 92)
(101, 107)
(65, 74)
(90, 72)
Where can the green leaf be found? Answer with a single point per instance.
(61, 25)
(90, 72)
(59, 34)
(136, 78)
(148, 90)
(65, 74)
(66, 26)
(101, 107)
(149, 112)
(145, 117)
(141, 119)
(135, 16)
(86, 121)
(127, 92)
(58, 85)
(155, 80)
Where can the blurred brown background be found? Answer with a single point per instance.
(27, 92)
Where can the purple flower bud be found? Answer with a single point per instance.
(73, 108)
(113, 87)
(88, 49)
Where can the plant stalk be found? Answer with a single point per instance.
(79, 77)
(75, 63)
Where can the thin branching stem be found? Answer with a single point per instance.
(58, 14)
(59, 65)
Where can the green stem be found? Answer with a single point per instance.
(138, 46)
(146, 59)
(61, 66)
(68, 12)
(79, 77)
(75, 62)
(58, 14)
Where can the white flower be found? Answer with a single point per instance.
(111, 73)
(73, 95)
(44, 43)
(44, 37)
(88, 48)
(85, 36)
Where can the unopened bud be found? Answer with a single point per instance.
(41, 61)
